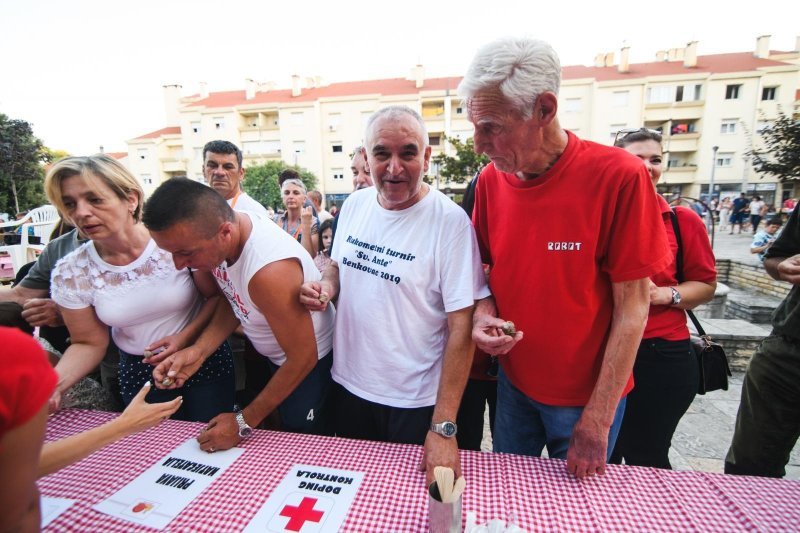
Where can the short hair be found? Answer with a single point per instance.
(519, 68)
(222, 147)
(774, 221)
(288, 174)
(356, 150)
(395, 112)
(640, 135)
(11, 317)
(181, 200)
(93, 168)
(315, 196)
(296, 182)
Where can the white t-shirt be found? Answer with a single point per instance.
(323, 215)
(755, 207)
(143, 301)
(266, 244)
(245, 202)
(400, 273)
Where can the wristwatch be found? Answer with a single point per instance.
(676, 296)
(244, 429)
(446, 429)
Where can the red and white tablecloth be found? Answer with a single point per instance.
(537, 492)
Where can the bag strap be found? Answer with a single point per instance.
(679, 267)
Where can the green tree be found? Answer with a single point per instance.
(464, 164)
(261, 182)
(780, 155)
(21, 173)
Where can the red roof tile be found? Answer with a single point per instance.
(719, 63)
(117, 155)
(163, 131)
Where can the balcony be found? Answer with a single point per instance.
(680, 174)
(691, 110)
(173, 165)
(682, 142)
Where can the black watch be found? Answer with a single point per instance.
(446, 429)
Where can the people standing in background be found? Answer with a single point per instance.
(223, 171)
(316, 200)
(724, 213)
(756, 208)
(738, 212)
(298, 220)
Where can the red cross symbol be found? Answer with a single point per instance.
(301, 514)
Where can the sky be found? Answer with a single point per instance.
(89, 73)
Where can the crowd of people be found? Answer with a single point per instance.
(400, 316)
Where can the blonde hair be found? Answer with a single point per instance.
(93, 168)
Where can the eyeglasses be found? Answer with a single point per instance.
(621, 134)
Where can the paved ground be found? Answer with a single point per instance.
(705, 432)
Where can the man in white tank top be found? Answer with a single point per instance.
(407, 272)
(259, 269)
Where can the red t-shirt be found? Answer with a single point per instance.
(556, 244)
(665, 321)
(26, 380)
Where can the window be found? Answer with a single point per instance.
(219, 123)
(338, 174)
(660, 95)
(337, 148)
(299, 147)
(296, 119)
(142, 153)
(620, 98)
(146, 179)
(728, 126)
(252, 121)
(195, 127)
(251, 147)
(673, 163)
(434, 140)
(272, 147)
(724, 159)
(459, 111)
(679, 93)
(698, 92)
(572, 105)
(732, 92)
(762, 126)
(769, 93)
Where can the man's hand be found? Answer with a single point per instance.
(42, 312)
(178, 367)
(222, 433)
(487, 333)
(588, 445)
(439, 451)
(315, 295)
(789, 269)
(660, 295)
(162, 348)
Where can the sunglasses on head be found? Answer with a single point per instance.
(621, 134)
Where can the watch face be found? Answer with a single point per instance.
(245, 432)
(448, 429)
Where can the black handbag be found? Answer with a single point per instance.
(711, 358)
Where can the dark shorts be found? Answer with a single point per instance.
(305, 410)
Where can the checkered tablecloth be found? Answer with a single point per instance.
(537, 493)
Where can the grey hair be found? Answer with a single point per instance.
(520, 68)
(296, 183)
(394, 112)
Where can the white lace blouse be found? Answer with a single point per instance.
(142, 301)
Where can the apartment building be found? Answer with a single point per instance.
(711, 110)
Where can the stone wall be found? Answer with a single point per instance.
(754, 277)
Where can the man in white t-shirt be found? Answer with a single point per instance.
(259, 268)
(223, 171)
(315, 197)
(406, 272)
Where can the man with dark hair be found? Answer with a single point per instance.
(764, 238)
(222, 168)
(739, 212)
(259, 269)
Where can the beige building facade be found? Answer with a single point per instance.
(711, 110)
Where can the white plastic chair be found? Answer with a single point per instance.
(43, 220)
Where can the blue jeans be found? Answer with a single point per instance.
(525, 426)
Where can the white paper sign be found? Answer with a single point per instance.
(162, 491)
(308, 499)
(52, 508)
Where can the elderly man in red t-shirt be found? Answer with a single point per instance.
(572, 232)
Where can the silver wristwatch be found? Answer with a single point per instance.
(244, 429)
(446, 429)
(676, 296)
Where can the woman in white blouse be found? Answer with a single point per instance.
(121, 280)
